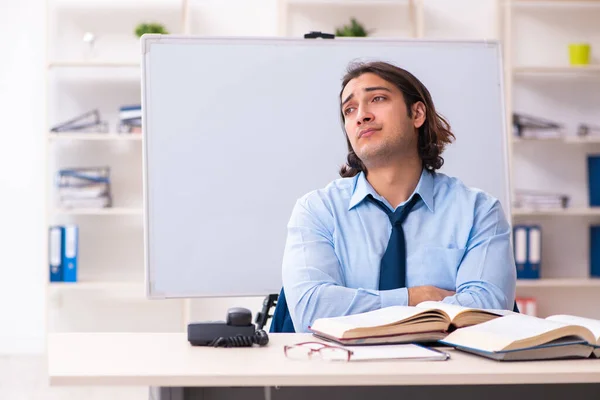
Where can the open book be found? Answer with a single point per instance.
(522, 337)
(427, 322)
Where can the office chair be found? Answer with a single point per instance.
(282, 320)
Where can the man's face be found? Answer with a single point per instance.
(377, 121)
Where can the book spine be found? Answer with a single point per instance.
(70, 255)
(594, 180)
(595, 251)
(534, 252)
(55, 250)
(520, 250)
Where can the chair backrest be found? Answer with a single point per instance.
(282, 320)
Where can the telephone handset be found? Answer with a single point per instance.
(236, 331)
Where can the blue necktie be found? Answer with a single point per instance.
(392, 273)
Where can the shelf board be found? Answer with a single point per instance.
(565, 139)
(350, 2)
(87, 286)
(574, 212)
(100, 211)
(558, 70)
(93, 64)
(95, 136)
(131, 289)
(558, 283)
(556, 3)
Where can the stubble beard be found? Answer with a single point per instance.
(384, 153)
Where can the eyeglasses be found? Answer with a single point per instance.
(306, 350)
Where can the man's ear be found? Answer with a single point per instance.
(419, 113)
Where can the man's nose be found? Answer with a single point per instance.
(364, 116)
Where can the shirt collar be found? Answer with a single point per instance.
(362, 188)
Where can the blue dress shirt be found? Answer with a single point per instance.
(457, 238)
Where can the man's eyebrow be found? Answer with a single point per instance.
(373, 88)
(369, 89)
(348, 98)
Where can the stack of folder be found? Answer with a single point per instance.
(130, 119)
(528, 250)
(88, 122)
(540, 200)
(535, 127)
(84, 187)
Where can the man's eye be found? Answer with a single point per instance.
(348, 110)
(378, 98)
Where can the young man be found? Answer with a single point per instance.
(392, 230)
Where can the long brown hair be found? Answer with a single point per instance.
(435, 132)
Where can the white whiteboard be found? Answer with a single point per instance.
(237, 129)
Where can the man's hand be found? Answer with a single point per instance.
(419, 294)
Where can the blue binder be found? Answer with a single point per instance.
(520, 249)
(56, 244)
(70, 253)
(528, 250)
(595, 251)
(534, 251)
(594, 180)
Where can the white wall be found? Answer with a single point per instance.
(22, 157)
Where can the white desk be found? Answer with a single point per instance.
(167, 360)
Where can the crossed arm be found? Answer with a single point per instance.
(314, 280)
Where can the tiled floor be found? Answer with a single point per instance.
(26, 378)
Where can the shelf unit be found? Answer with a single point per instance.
(534, 78)
(116, 54)
(110, 259)
(410, 14)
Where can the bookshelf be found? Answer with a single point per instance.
(110, 283)
(110, 77)
(540, 81)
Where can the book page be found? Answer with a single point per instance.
(592, 324)
(395, 352)
(384, 316)
(498, 333)
(453, 310)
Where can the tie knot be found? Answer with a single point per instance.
(397, 217)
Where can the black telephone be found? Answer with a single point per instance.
(236, 331)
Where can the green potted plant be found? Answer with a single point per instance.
(355, 29)
(150, 27)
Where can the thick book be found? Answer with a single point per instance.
(521, 337)
(427, 322)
